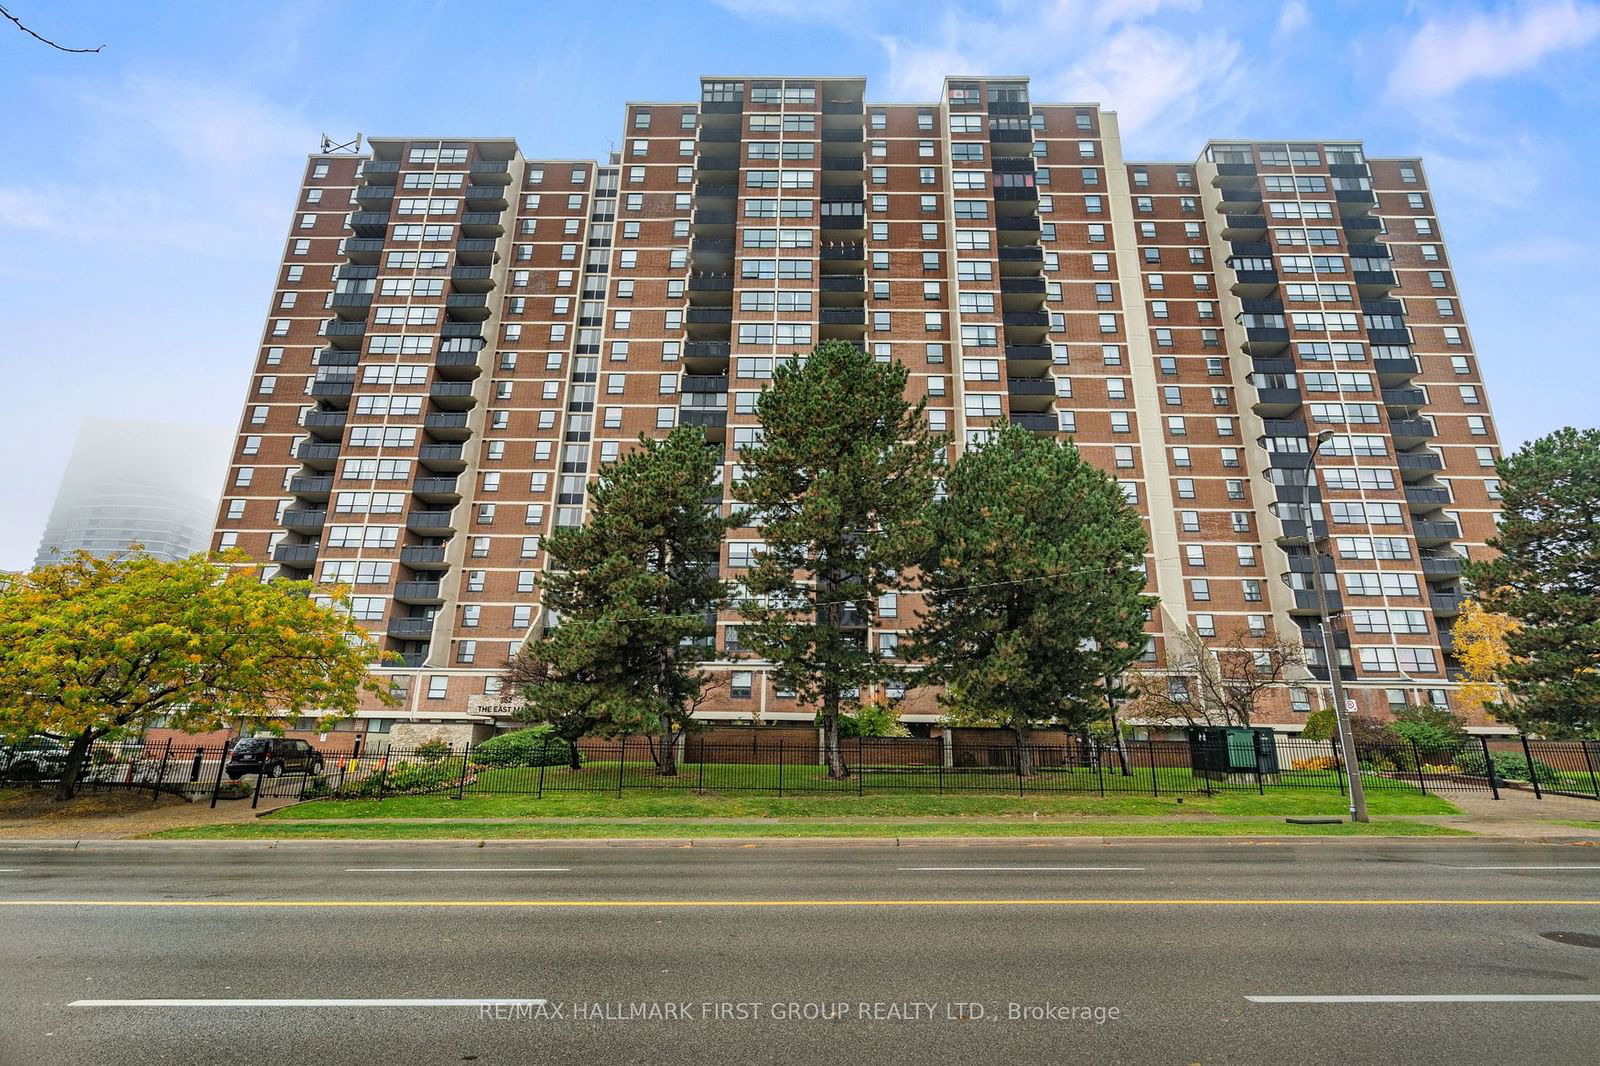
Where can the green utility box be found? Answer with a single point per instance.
(1233, 753)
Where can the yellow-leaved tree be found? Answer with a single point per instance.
(92, 645)
(1480, 643)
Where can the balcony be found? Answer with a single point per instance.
(1254, 284)
(482, 224)
(1244, 227)
(721, 107)
(335, 392)
(410, 628)
(705, 417)
(472, 331)
(716, 164)
(431, 523)
(315, 488)
(447, 426)
(716, 246)
(350, 305)
(843, 164)
(1395, 370)
(363, 249)
(1389, 336)
(486, 196)
(475, 250)
(1265, 340)
(715, 190)
(704, 383)
(843, 283)
(1375, 282)
(442, 458)
(1295, 530)
(1031, 387)
(1415, 465)
(710, 282)
(707, 349)
(707, 218)
(849, 221)
(1355, 196)
(457, 366)
(847, 134)
(843, 107)
(1445, 604)
(436, 490)
(1435, 532)
(709, 316)
(423, 557)
(1033, 357)
(1022, 286)
(1276, 402)
(1237, 197)
(1018, 223)
(1036, 423)
(1441, 566)
(1234, 171)
(1404, 397)
(1358, 225)
(369, 223)
(472, 278)
(713, 135)
(380, 169)
(1305, 601)
(467, 306)
(843, 316)
(491, 170)
(305, 519)
(1016, 193)
(418, 592)
(337, 357)
(375, 196)
(1000, 136)
(1425, 498)
(345, 334)
(300, 555)
(452, 395)
(1411, 429)
(844, 252)
(327, 425)
(318, 455)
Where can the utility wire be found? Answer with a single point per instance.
(46, 40)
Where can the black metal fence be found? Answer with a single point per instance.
(1084, 765)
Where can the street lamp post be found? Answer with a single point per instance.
(1358, 795)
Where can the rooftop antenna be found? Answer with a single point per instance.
(329, 145)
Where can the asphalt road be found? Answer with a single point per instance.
(798, 954)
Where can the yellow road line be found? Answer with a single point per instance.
(738, 903)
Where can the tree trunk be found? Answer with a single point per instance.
(667, 757)
(1116, 740)
(67, 787)
(574, 757)
(837, 770)
(1025, 761)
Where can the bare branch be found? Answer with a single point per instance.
(46, 40)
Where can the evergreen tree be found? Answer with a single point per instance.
(634, 592)
(1547, 578)
(1034, 587)
(839, 486)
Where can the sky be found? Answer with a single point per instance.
(148, 188)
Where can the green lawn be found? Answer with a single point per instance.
(681, 804)
(682, 830)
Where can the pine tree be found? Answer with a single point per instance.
(1034, 587)
(634, 593)
(1547, 579)
(839, 486)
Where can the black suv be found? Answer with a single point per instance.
(272, 756)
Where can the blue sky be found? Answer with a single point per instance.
(148, 188)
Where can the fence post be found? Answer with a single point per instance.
(1150, 749)
(161, 774)
(383, 775)
(1100, 767)
(1422, 779)
(780, 766)
(194, 768)
(544, 759)
(1533, 775)
(1588, 762)
(466, 757)
(1488, 767)
(1255, 750)
(861, 777)
(1338, 763)
(622, 764)
(222, 761)
(255, 798)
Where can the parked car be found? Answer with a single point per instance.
(33, 758)
(273, 756)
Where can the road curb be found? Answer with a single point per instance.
(724, 843)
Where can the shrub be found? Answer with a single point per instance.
(535, 746)
(405, 779)
(1320, 762)
(1509, 765)
(872, 719)
(1430, 728)
(434, 748)
(1320, 725)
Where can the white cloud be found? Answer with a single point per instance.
(1294, 17)
(1444, 55)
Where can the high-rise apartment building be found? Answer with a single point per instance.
(462, 335)
(148, 483)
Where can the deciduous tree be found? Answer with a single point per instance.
(92, 645)
(1218, 681)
